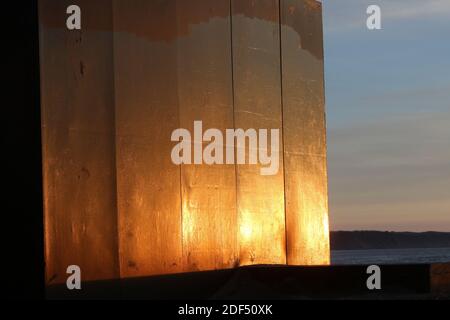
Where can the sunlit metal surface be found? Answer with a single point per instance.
(304, 133)
(78, 142)
(115, 204)
(148, 184)
(257, 104)
(205, 93)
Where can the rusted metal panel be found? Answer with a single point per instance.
(205, 94)
(257, 105)
(146, 96)
(78, 141)
(304, 132)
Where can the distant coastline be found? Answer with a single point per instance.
(364, 240)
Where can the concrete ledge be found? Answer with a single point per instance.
(440, 279)
(421, 281)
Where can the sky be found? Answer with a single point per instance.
(388, 115)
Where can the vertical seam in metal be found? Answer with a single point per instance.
(282, 131)
(237, 246)
(184, 266)
(115, 141)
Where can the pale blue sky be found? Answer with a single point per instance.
(388, 115)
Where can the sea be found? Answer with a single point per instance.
(390, 256)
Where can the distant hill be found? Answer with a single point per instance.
(360, 240)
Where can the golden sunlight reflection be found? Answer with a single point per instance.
(246, 231)
(115, 203)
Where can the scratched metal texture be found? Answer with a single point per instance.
(112, 94)
(257, 105)
(205, 93)
(78, 141)
(147, 111)
(304, 133)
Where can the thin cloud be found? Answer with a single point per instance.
(347, 15)
(393, 173)
(417, 9)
